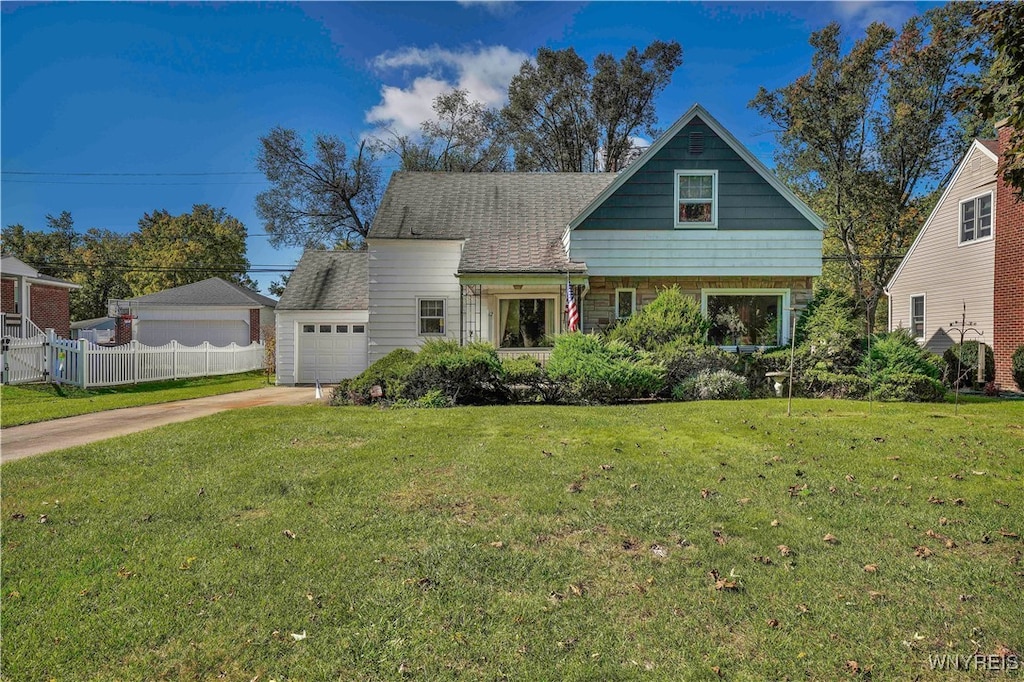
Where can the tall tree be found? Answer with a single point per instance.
(100, 270)
(319, 197)
(866, 136)
(564, 116)
(170, 251)
(1000, 94)
(464, 136)
(51, 251)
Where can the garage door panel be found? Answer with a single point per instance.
(329, 353)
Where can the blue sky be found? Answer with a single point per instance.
(160, 91)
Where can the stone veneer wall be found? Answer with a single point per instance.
(598, 308)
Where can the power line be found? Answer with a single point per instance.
(127, 184)
(90, 174)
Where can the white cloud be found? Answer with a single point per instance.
(498, 8)
(484, 73)
(862, 13)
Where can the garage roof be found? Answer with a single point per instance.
(328, 280)
(209, 292)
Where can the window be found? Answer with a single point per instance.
(696, 198)
(341, 329)
(358, 329)
(525, 322)
(325, 329)
(917, 316)
(976, 218)
(625, 303)
(747, 318)
(432, 316)
(308, 328)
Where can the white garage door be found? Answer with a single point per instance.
(193, 332)
(330, 352)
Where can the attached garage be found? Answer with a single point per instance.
(329, 352)
(322, 319)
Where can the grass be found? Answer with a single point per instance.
(32, 403)
(528, 543)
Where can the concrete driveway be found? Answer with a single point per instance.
(17, 442)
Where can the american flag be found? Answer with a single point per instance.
(570, 307)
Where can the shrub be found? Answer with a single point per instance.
(671, 317)
(898, 353)
(966, 357)
(908, 387)
(829, 332)
(821, 383)
(389, 373)
(1017, 367)
(526, 381)
(712, 385)
(590, 369)
(466, 375)
(684, 361)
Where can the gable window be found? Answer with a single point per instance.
(917, 316)
(976, 218)
(431, 314)
(696, 198)
(625, 303)
(746, 317)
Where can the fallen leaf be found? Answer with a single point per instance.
(936, 500)
(775, 523)
(659, 551)
(719, 536)
(950, 544)
(43, 518)
(893, 458)
(497, 545)
(634, 486)
(784, 550)
(853, 667)
(607, 467)
(1007, 534)
(871, 568)
(850, 478)
(1000, 503)
(298, 637)
(288, 534)
(875, 595)
(17, 516)
(187, 563)
(803, 608)
(725, 584)
(830, 539)
(832, 489)
(743, 500)
(943, 521)
(575, 487)
(577, 589)
(706, 493)
(763, 560)
(922, 552)
(959, 502)
(773, 623)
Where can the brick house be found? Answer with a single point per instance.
(28, 297)
(969, 253)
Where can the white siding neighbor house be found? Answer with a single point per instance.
(213, 310)
(488, 256)
(322, 319)
(951, 263)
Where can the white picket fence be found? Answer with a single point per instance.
(81, 363)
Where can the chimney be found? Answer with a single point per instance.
(1008, 285)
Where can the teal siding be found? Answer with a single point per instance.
(646, 200)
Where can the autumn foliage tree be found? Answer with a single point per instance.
(866, 136)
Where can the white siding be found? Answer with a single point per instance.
(402, 272)
(682, 253)
(287, 331)
(947, 273)
(158, 325)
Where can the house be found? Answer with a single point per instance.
(969, 253)
(97, 330)
(31, 301)
(212, 310)
(321, 318)
(487, 256)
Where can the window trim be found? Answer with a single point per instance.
(924, 316)
(557, 301)
(960, 219)
(443, 317)
(785, 313)
(632, 310)
(714, 199)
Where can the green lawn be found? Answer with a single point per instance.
(41, 402)
(527, 543)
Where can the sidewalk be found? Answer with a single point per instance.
(17, 442)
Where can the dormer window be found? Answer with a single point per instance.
(976, 218)
(696, 198)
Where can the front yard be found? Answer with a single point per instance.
(670, 541)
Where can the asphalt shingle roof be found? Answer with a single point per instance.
(991, 145)
(511, 222)
(211, 292)
(328, 280)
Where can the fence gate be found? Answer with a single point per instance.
(23, 360)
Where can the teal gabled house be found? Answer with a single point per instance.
(487, 256)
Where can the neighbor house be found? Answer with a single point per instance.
(31, 301)
(967, 258)
(213, 310)
(96, 330)
(488, 256)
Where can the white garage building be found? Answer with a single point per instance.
(322, 319)
(212, 310)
